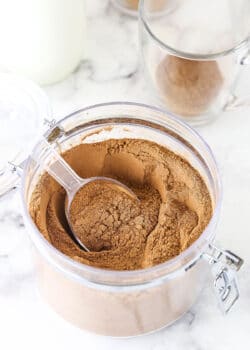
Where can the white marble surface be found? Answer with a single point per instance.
(111, 73)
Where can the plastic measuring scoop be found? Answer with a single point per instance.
(60, 170)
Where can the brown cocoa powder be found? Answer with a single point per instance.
(122, 234)
(108, 220)
(188, 87)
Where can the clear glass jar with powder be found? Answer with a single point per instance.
(129, 303)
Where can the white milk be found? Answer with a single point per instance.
(42, 39)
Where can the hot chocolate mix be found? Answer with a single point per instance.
(174, 205)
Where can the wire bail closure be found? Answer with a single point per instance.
(225, 266)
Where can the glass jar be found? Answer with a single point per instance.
(129, 303)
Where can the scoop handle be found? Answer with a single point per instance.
(57, 167)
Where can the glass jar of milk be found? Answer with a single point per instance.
(43, 40)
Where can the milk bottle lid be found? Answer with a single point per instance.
(23, 108)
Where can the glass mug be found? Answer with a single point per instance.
(192, 54)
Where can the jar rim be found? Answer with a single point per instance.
(94, 273)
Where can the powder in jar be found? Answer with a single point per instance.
(174, 205)
(188, 87)
(106, 219)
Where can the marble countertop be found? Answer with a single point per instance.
(111, 73)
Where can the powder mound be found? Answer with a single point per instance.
(173, 210)
(105, 218)
(188, 87)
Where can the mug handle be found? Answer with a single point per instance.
(237, 101)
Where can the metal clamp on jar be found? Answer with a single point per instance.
(120, 300)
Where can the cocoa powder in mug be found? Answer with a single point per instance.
(173, 210)
(188, 87)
